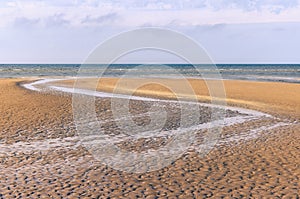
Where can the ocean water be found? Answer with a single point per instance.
(254, 72)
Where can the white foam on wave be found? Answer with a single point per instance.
(99, 94)
(33, 85)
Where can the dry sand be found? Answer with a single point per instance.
(41, 158)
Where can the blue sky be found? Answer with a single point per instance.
(232, 31)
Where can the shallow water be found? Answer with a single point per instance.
(253, 72)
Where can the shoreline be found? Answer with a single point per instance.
(272, 97)
(275, 79)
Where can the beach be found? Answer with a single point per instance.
(256, 155)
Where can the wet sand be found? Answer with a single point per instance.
(273, 97)
(41, 156)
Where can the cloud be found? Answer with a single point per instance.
(209, 28)
(231, 30)
(136, 13)
(251, 5)
(161, 4)
(56, 20)
(25, 22)
(226, 43)
(246, 5)
(104, 19)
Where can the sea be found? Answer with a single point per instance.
(252, 72)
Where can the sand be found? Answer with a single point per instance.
(273, 97)
(41, 157)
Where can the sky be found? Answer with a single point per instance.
(231, 31)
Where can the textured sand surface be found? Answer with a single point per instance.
(41, 156)
(274, 97)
